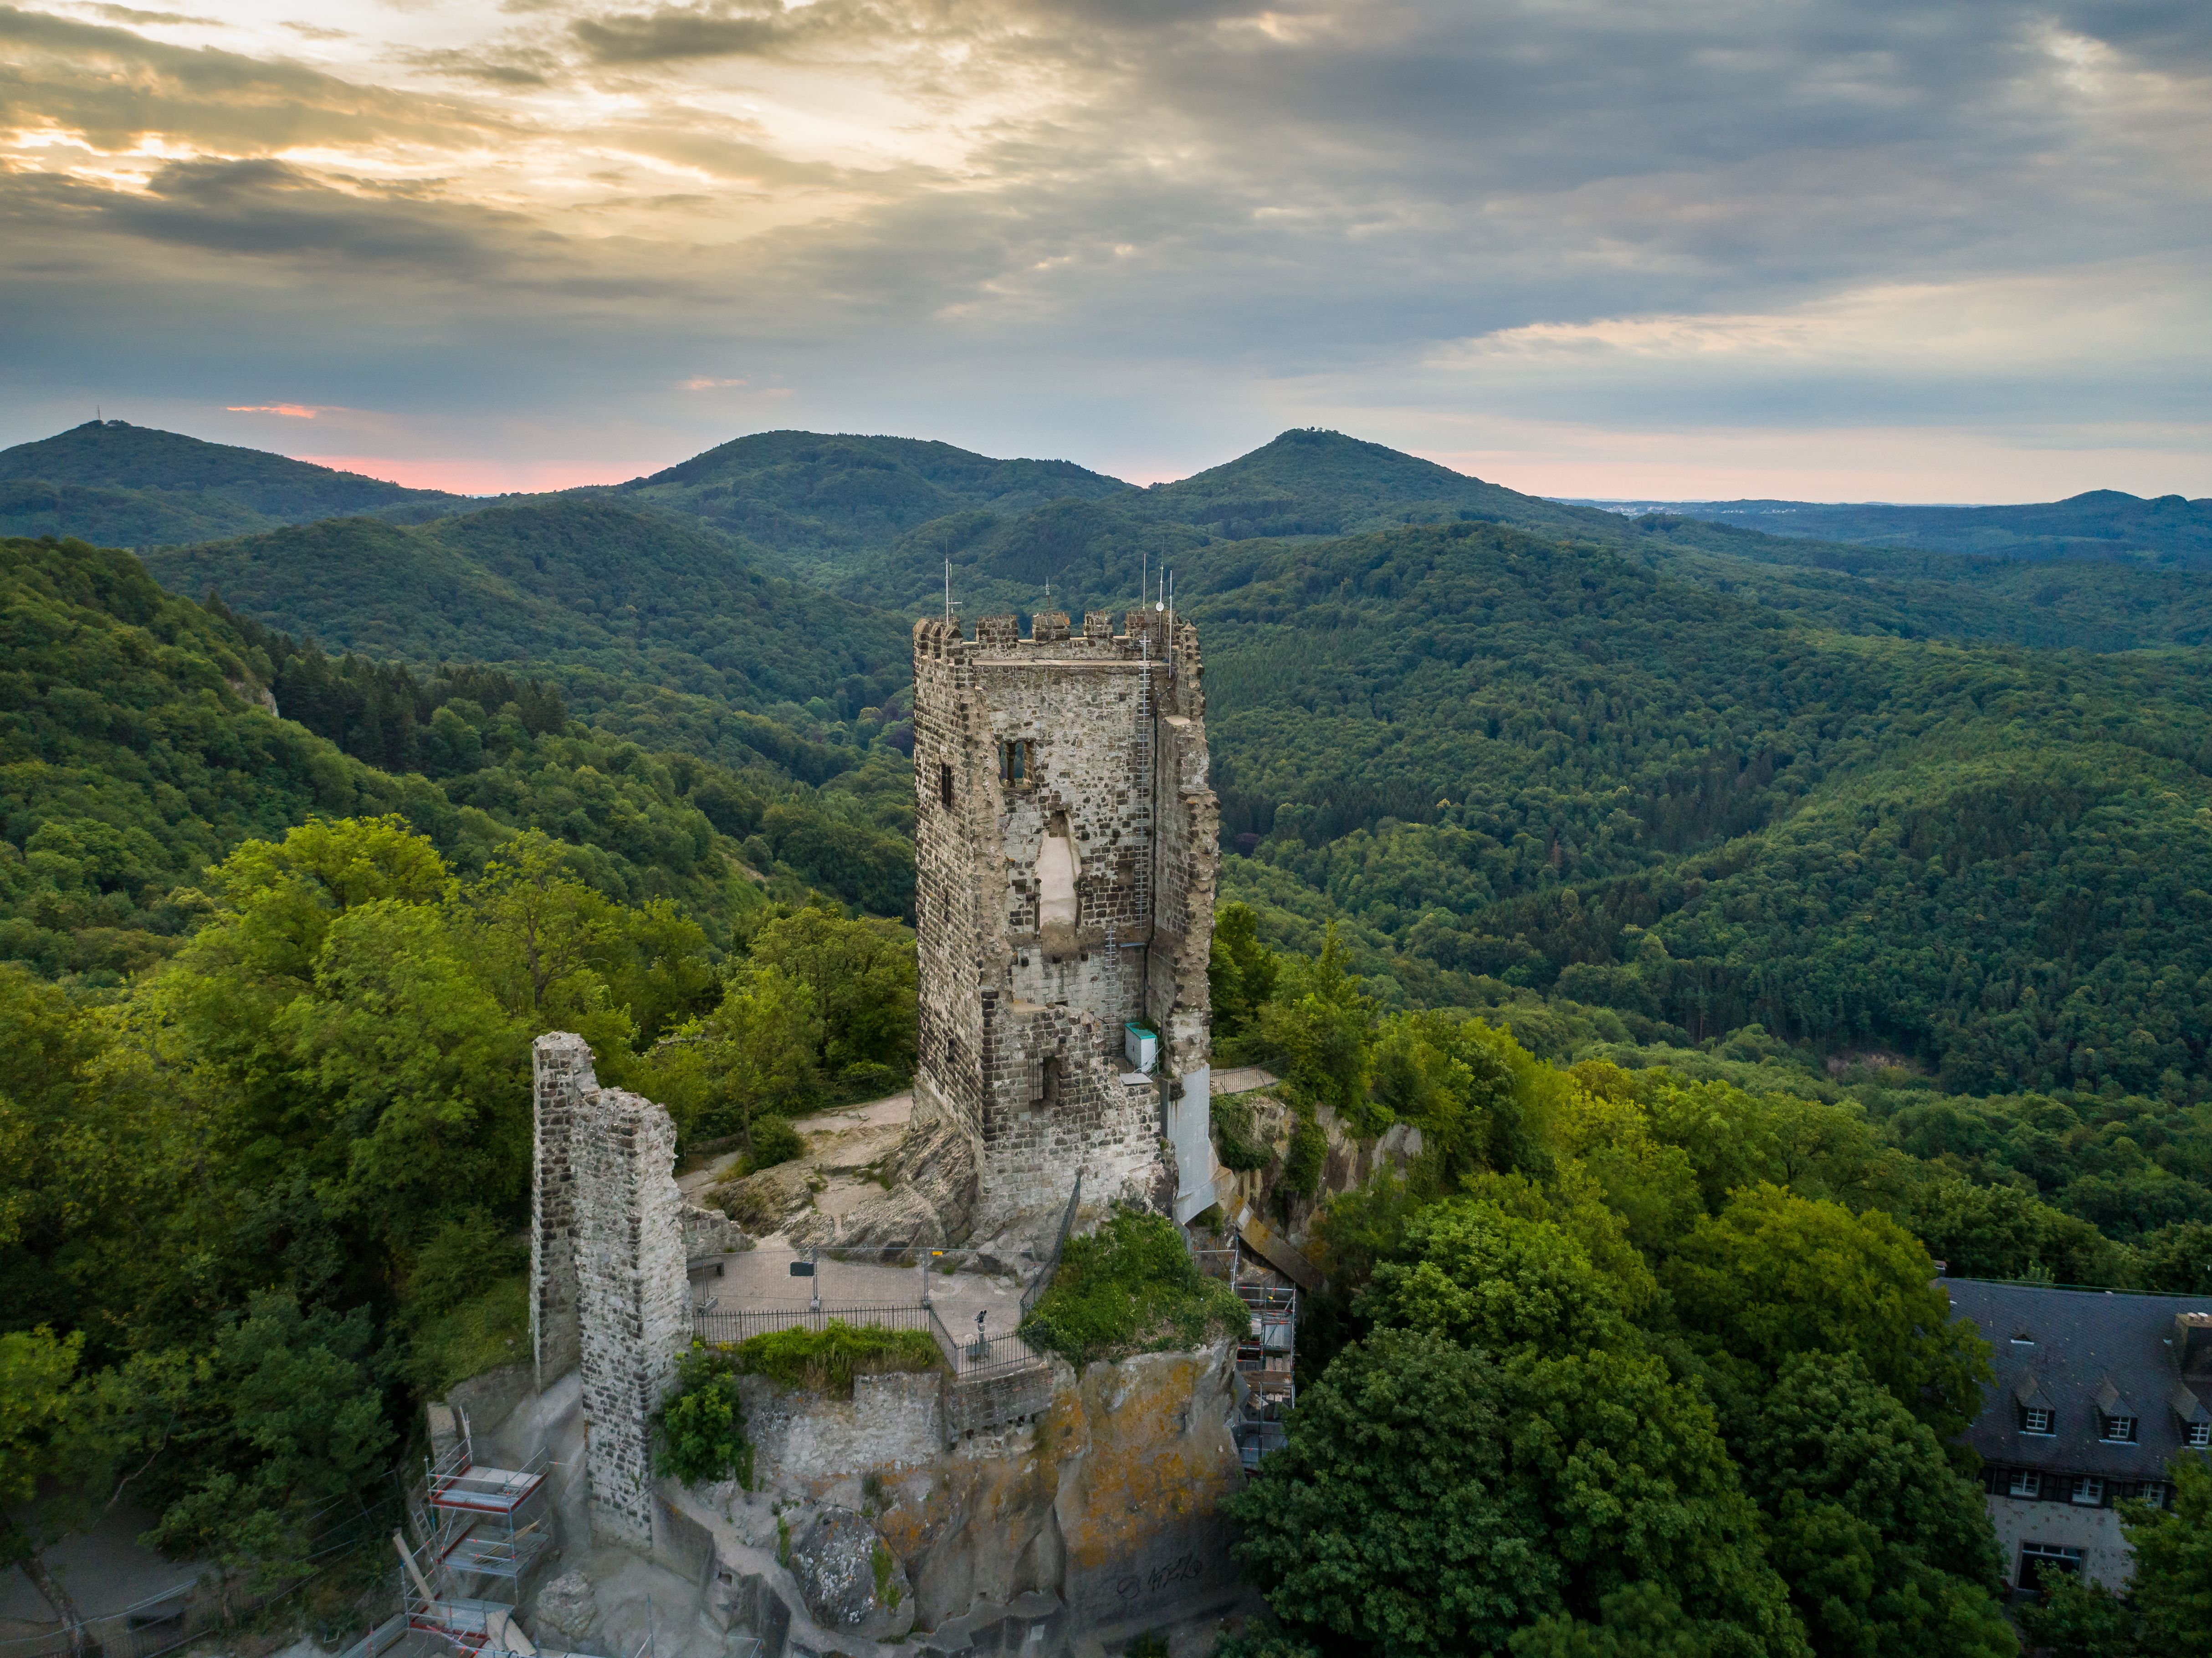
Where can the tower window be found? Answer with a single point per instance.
(1018, 763)
(945, 782)
(1052, 1079)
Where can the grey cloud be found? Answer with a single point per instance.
(498, 66)
(1191, 199)
(677, 33)
(116, 87)
(125, 15)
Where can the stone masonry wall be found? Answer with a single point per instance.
(1082, 752)
(561, 1065)
(804, 1443)
(608, 1226)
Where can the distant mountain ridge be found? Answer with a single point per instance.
(114, 484)
(2100, 524)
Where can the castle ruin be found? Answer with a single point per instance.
(1065, 856)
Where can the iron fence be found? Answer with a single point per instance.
(978, 1356)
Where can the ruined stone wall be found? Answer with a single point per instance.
(609, 1295)
(631, 1296)
(561, 1074)
(804, 1444)
(1066, 844)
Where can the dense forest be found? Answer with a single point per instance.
(1715, 902)
(1638, 1361)
(142, 737)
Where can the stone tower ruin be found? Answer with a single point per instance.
(1066, 843)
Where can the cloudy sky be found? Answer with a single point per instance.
(1910, 249)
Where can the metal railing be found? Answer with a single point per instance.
(719, 1329)
(1042, 1281)
(977, 1357)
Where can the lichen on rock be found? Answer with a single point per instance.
(850, 1578)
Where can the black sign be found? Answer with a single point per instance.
(802, 1269)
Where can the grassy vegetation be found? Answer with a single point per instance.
(825, 1361)
(1131, 1287)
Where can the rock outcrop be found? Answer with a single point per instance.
(930, 1204)
(566, 1606)
(851, 1580)
(711, 1232)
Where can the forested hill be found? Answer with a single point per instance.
(1551, 765)
(820, 499)
(1706, 777)
(657, 626)
(2103, 524)
(142, 737)
(114, 483)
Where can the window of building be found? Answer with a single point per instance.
(2039, 1419)
(2200, 1436)
(2120, 1429)
(945, 782)
(1052, 1079)
(2151, 1493)
(1018, 763)
(2037, 1560)
(2089, 1493)
(2025, 1482)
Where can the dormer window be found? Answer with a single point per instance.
(2200, 1436)
(2119, 1430)
(2038, 1419)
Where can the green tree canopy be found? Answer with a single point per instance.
(1774, 1275)
(1885, 1547)
(1434, 1499)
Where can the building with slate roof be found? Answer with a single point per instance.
(2096, 1391)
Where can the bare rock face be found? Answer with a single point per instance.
(764, 1203)
(710, 1232)
(851, 1580)
(930, 1204)
(565, 1606)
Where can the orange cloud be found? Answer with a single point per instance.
(295, 411)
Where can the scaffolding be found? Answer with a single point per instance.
(479, 1522)
(1264, 1380)
(478, 1530)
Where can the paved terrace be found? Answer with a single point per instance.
(838, 1143)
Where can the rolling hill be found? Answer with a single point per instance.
(142, 735)
(819, 500)
(656, 627)
(114, 484)
(2102, 523)
(1706, 776)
